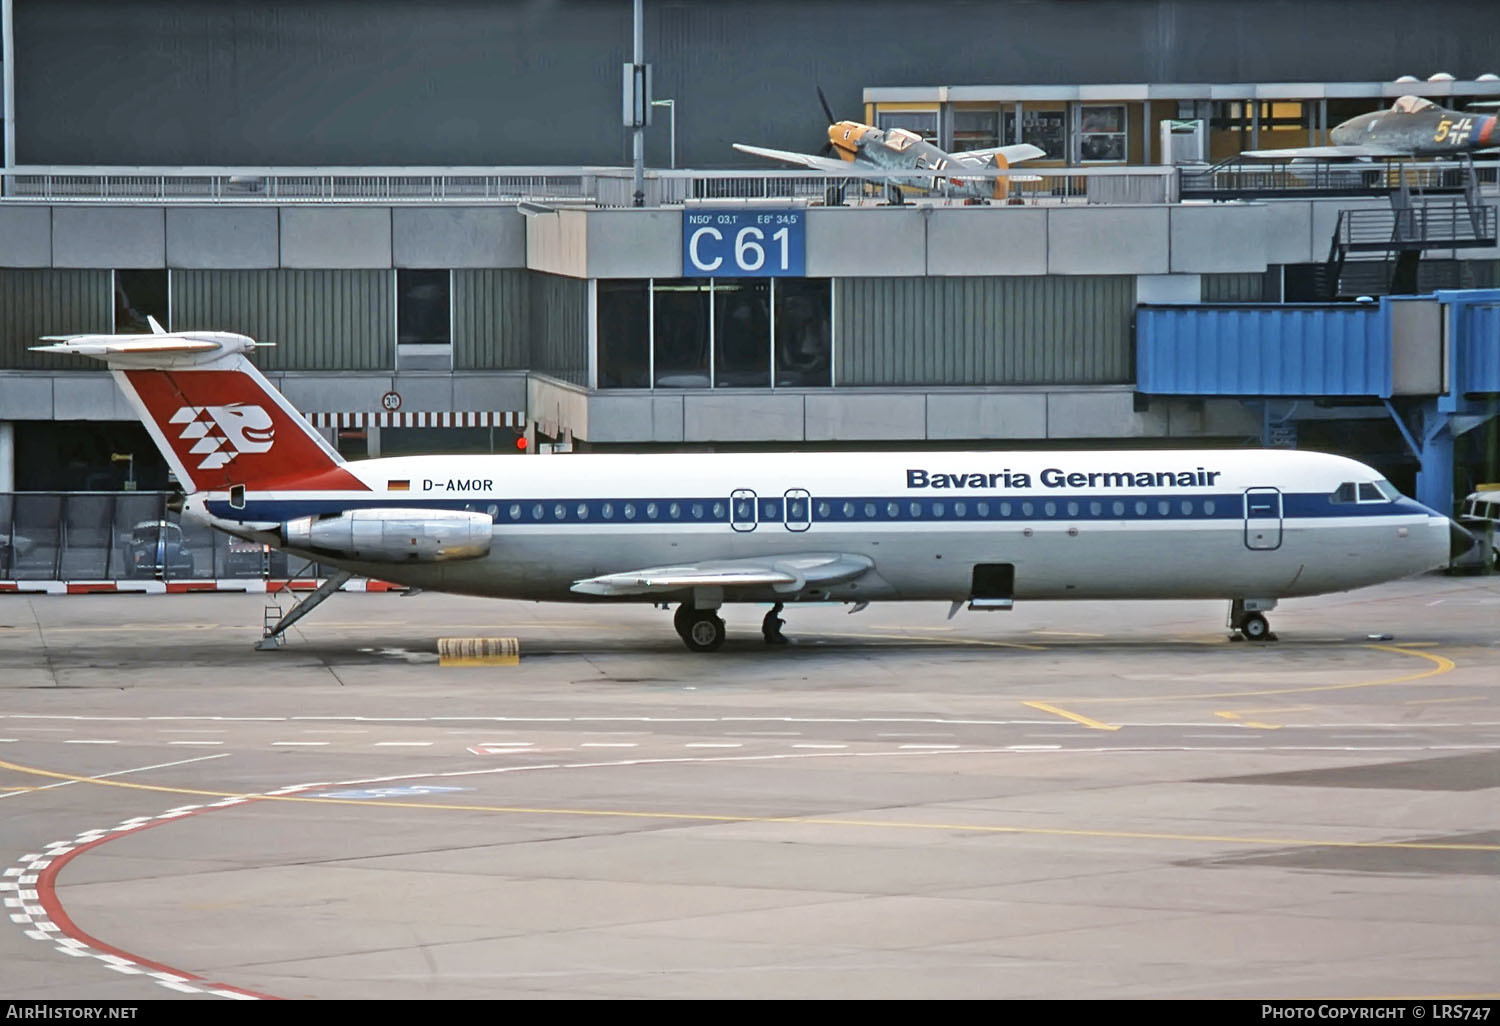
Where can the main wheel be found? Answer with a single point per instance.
(705, 632)
(1254, 627)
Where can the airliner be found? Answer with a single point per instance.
(984, 529)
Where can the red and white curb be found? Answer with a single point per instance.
(254, 586)
(28, 895)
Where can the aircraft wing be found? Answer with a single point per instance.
(1326, 152)
(829, 164)
(1013, 154)
(787, 574)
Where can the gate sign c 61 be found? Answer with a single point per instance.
(743, 244)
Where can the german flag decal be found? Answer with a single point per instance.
(398, 486)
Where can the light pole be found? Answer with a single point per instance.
(671, 106)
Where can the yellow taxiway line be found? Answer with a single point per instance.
(696, 817)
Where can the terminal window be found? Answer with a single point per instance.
(1101, 133)
(140, 294)
(424, 317)
(714, 333)
(975, 130)
(923, 123)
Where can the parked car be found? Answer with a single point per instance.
(155, 549)
(253, 559)
(9, 555)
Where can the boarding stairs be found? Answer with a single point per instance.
(1379, 252)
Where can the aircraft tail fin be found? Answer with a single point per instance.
(217, 420)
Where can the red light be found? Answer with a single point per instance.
(521, 442)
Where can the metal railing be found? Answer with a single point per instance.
(115, 536)
(1428, 225)
(1236, 179)
(573, 187)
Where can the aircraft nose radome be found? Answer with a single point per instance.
(1460, 540)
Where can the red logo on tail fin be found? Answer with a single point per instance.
(225, 428)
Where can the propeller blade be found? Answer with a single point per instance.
(826, 109)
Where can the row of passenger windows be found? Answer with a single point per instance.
(983, 510)
(796, 510)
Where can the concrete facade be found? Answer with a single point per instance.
(335, 237)
(455, 237)
(223, 238)
(1165, 248)
(99, 236)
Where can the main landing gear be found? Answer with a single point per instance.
(702, 630)
(1248, 621)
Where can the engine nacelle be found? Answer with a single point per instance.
(393, 535)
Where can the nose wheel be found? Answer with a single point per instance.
(701, 630)
(1255, 627)
(1250, 624)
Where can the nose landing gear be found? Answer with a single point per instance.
(1247, 620)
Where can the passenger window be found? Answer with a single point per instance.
(674, 511)
(515, 511)
(1187, 507)
(582, 511)
(1050, 509)
(959, 509)
(1095, 509)
(1026, 509)
(1344, 493)
(849, 511)
(536, 511)
(937, 509)
(824, 511)
(1369, 493)
(559, 512)
(1164, 508)
(1072, 509)
(1140, 509)
(892, 510)
(630, 511)
(607, 511)
(1119, 508)
(916, 510)
(718, 511)
(983, 509)
(1004, 509)
(651, 510)
(869, 511)
(1208, 507)
(697, 511)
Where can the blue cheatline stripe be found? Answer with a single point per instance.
(835, 510)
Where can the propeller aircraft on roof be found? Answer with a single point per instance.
(1411, 127)
(931, 169)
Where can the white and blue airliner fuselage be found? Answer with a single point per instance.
(987, 528)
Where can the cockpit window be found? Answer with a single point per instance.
(1390, 491)
(1411, 105)
(899, 139)
(1346, 492)
(1369, 492)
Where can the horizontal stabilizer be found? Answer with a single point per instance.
(164, 346)
(787, 574)
(105, 345)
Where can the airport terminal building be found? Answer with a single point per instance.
(429, 210)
